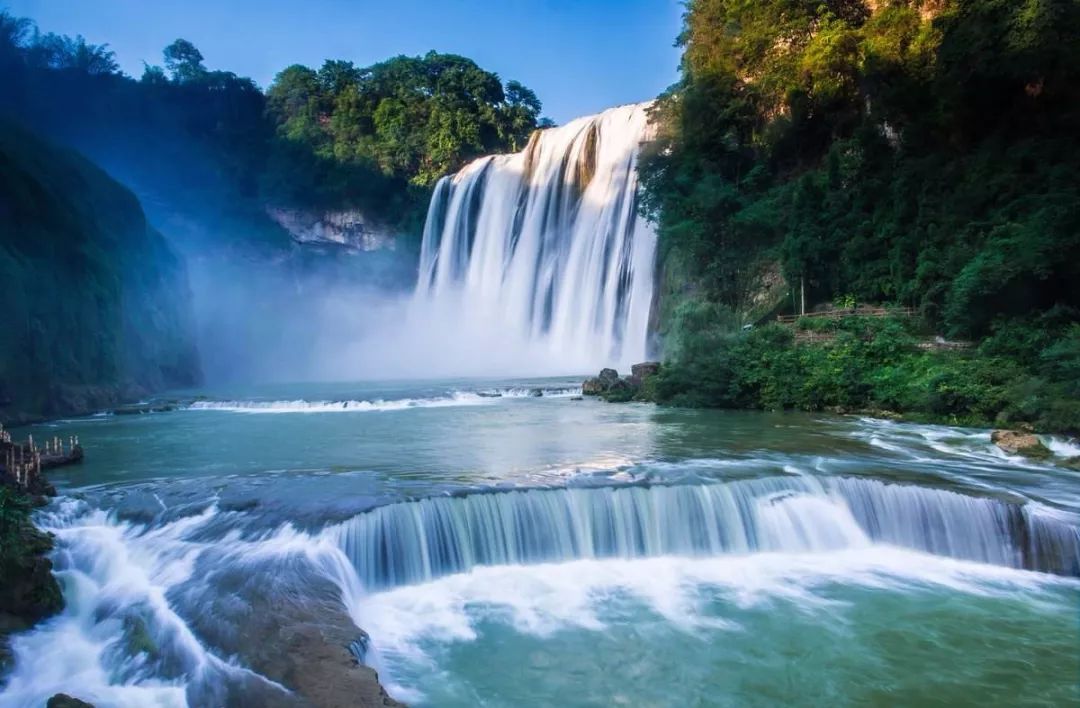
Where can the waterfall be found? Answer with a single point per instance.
(420, 540)
(544, 251)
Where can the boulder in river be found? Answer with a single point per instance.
(63, 700)
(592, 387)
(621, 391)
(1020, 443)
(611, 388)
(599, 385)
(644, 370)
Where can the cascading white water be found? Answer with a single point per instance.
(418, 541)
(543, 252)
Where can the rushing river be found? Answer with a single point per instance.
(506, 549)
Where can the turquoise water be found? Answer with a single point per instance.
(502, 548)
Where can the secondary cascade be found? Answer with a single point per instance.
(545, 248)
(417, 541)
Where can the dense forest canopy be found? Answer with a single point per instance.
(892, 150)
(373, 138)
(915, 152)
(411, 119)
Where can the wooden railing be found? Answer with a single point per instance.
(854, 312)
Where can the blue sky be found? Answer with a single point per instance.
(580, 56)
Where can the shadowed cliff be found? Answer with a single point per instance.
(96, 306)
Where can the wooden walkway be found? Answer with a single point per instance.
(21, 463)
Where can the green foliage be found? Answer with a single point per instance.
(14, 515)
(29, 592)
(873, 365)
(920, 152)
(59, 52)
(408, 119)
(845, 302)
(183, 61)
(923, 153)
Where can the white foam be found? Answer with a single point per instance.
(911, 440)
(540, 600)
(458, 398)
(1063, 447)
(112, 572)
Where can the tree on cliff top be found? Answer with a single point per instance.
(184, 61)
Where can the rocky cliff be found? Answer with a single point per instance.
(96, 305)
(348, 228)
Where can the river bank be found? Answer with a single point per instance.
(654, 382)
(870, 366)
(30, 592)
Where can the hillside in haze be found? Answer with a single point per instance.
(96, 305)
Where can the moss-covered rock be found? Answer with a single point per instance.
(29, 592)
(620, 391)
(137, 636)
(636, 387)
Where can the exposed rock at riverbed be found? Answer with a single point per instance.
(63, 700)
(642, 371)
(29, 592)
(291, 627)
(609, 386)
(144, 408)
(1020, 443)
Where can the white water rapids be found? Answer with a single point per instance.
(129, 585)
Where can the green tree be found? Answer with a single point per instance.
(53, 51)
(183, 61)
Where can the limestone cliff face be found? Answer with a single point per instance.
(348, 228)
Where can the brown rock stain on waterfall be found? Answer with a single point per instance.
(530, 157)
(585, 169)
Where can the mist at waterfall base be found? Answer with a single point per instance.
(301, 318)
(531, 264)
(507, 549)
